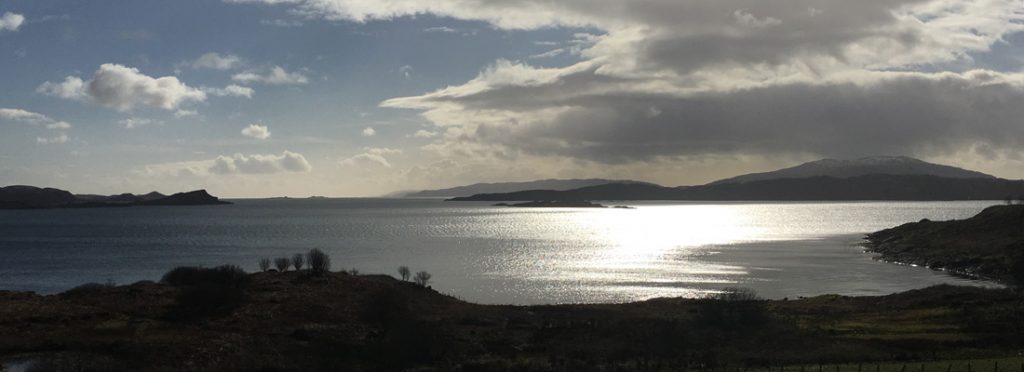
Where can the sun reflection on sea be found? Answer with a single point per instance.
(640, 253)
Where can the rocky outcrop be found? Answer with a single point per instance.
(988, 245)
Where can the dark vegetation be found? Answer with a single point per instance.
(282, 263)
(319, 262)
(867, 187)
(204, 293)
(301, 321)
(990, 244)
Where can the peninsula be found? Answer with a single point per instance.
(30, 197)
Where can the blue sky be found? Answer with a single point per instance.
(377, 96)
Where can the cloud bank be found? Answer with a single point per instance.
(237, 164)
(672, 79)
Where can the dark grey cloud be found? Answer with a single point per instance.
(890, 113)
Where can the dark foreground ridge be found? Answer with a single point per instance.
(225, 320)
(989, 245)
(30, 197)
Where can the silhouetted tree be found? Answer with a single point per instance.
(282, 263)
(264, 264)
(298, 261)
(403, 271)
(319, 262)
(422, 278)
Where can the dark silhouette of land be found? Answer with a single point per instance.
(892, 165)
(989, 245)
(870, 187)
(501, 187)
(226, 320)
(874, 178)
(30, 197)
(553, 204)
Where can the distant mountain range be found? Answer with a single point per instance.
(30, 197)
(503, 187)
(893, 165)
(877, 178)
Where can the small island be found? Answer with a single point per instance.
(553, 204)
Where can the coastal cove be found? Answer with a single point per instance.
(488, 254)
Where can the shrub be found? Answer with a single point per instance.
(264, 264)
(353, 272)
(297, 261)
(206, 292)
(319, 262)
(422, 278)
(282, 263)
(226, 275)
(403, 271)
(738, 294)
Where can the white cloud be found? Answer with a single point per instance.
(11, 21)
(372, 157)
(424, 134)
(63, 125)
(745, 18)
(276, 76)
(132, 123)
(237, 164)
(185, 113)
(281, 22)
(256, 131)
(442, 29)
(71, 88)
(59, 139)
(256, 164)
(549, 54)
(217, 61)
(124, 88)
(232, 90)
(369, 132)
(24, 116)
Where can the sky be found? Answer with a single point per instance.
(256, 98)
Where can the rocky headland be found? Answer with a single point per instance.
(989, 245)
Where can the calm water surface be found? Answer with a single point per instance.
(488, 254)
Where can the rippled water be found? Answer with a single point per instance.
(488, 254)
